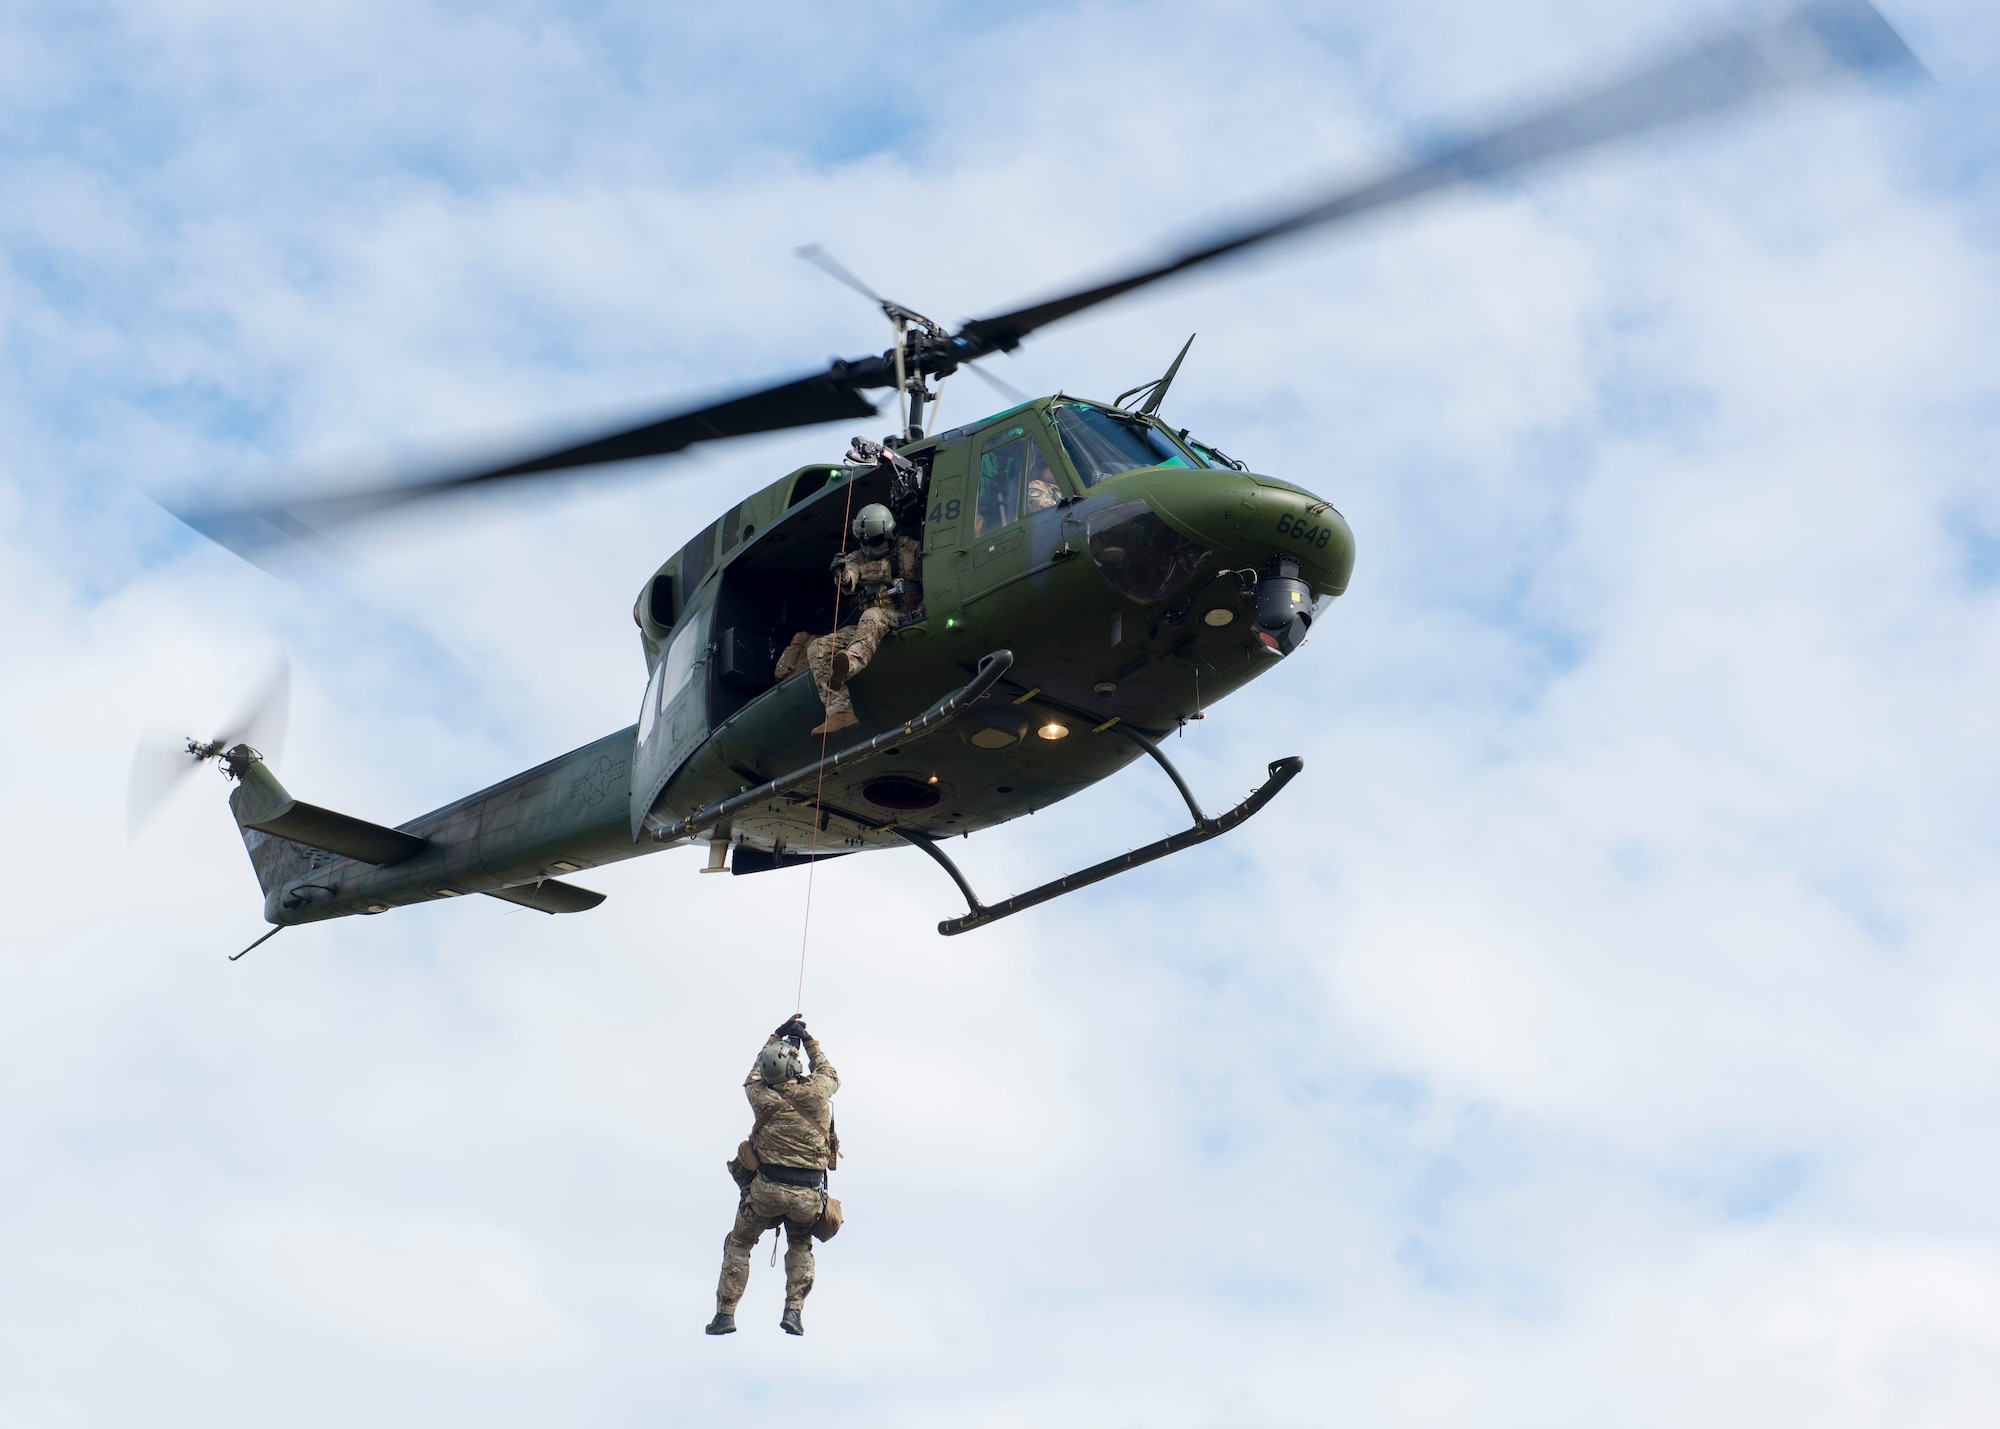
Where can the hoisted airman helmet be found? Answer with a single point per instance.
(874, 529)
(778, 1064)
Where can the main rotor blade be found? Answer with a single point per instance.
(891, 309)
(1818, 42)
(825, 397)
(838, 271)
(998, 384)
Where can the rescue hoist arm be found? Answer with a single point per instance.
(991, 668)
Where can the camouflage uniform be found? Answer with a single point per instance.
(793, 659)
(870, 577)
(1044, 490)
(794, 1127)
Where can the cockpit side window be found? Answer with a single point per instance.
(1002, 473)
(1103, 444)
(1015, 480)
(1044, 488)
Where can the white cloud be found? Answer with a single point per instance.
(1601, 1029)
(413, 1289)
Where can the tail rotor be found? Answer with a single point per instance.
(257, 731)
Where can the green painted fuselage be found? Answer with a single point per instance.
(1101, 631)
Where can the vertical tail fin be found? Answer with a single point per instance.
(276, 860)
(287, 837)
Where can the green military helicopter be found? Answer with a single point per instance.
(1054, 646)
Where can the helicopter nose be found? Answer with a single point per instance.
(1253, 522)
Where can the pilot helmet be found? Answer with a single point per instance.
(874, 529)
(778, 1063)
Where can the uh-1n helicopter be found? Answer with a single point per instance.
(1091, 577)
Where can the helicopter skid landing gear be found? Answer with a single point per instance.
(978, 915)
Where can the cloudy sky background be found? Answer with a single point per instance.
(1603, 1029)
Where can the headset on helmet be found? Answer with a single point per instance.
(874, 529)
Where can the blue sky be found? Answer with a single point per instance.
(1599, 1031)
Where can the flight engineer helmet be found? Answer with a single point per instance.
(874, 529)
(778, 1064)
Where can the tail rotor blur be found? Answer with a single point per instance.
(160, 764)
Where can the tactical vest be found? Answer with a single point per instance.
(875, 578)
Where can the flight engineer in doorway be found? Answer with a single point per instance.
(780, 1171)
(886, 570)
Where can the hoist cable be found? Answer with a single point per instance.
(819, 788)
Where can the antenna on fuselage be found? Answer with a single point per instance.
(1157, 388)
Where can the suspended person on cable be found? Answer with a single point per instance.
(781, 1171)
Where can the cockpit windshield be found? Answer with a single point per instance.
(1214, 456)
(1103, 444)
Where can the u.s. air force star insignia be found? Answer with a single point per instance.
(595, 782)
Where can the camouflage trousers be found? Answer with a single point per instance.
(763, 1206)
(860, 641)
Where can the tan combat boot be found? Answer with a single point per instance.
(835, 723)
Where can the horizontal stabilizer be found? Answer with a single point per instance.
(261, 803)
(340, 833)
(551, 895)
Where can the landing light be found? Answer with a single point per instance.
(1218, 617)
(1052, 730)
(931, 780)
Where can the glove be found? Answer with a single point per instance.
(837, 567)
(792, 1027)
